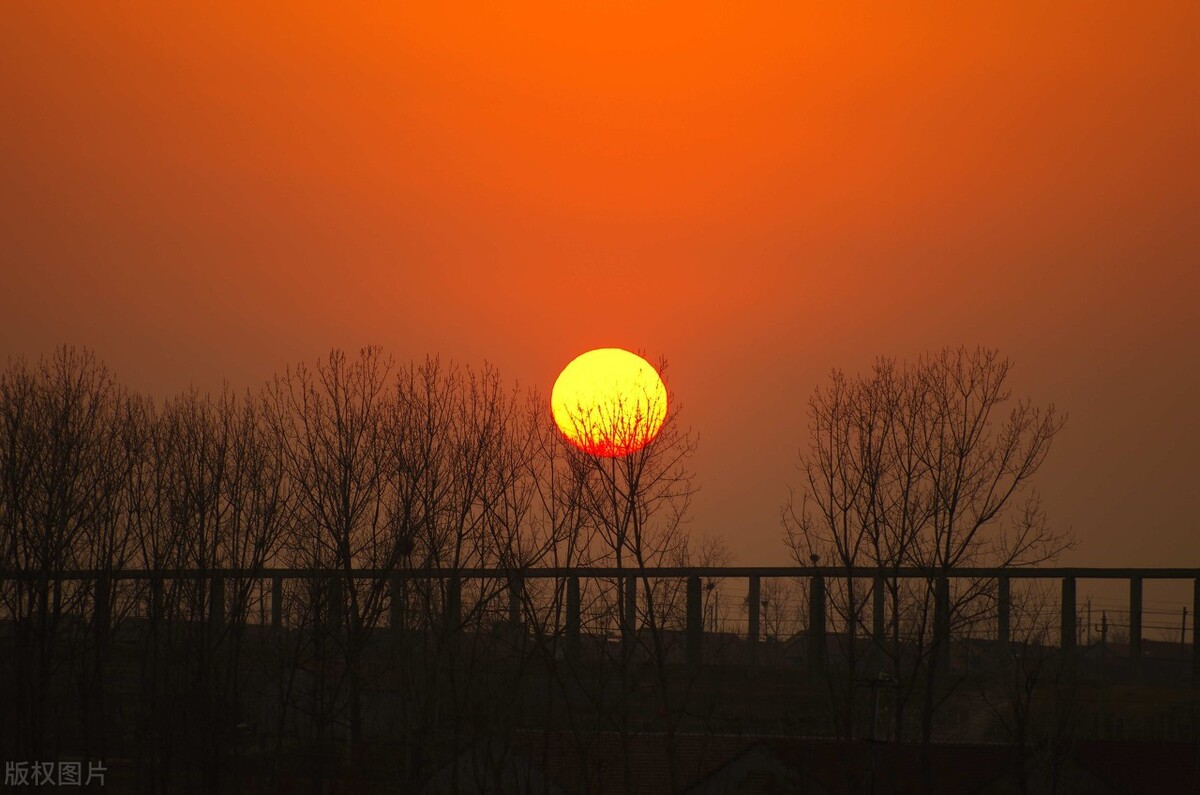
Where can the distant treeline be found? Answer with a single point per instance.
(354, 462)
(362, 463)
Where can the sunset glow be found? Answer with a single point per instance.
(609, 402)
(203, 194)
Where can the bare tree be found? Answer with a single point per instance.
(204, 491)
(62, 459)
(337, 469)
(333, 425)
(630, 510)
(926, 465)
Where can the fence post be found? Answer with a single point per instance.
(101, 611)
(816, 626)
(515, 583)
(1004, 610)
(396, 607)
(1195, 634)
(216, 604)
(629, 614)
(572, 620)
(878, 632)
(453, 608)
(754, 629)
(336, 600)
(1067, 610)
(695, 623)
(754, 603)
(1135, 621)
(941, 623)
(156, 599)
(276, 603)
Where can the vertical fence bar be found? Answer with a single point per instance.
(695, 623)
(101, 612)
(1195, 634)
(43, 596)
(396, 606)
(941, 623)
(216, 604)
(1135, 619)
(1067, 628)
(515, 586)
(276, 603)
(877, 609)
(1004, 610)
(451, 615)
(816, 626)
(572, 620)
(337, 593)
(156, 599)
(754, 628)
(316, 598)
(754, 603)
(629, 613)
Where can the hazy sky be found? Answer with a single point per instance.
(759, 196)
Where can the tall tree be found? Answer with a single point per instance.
(926, 465)
(333, 425)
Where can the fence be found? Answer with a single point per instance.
(102, 584)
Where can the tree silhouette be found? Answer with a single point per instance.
(925, 465)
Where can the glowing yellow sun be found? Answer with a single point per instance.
(609, 402)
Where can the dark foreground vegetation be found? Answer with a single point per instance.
(336, 584)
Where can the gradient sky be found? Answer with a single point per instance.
(758, 195)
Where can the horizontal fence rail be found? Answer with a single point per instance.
(818, 610)
(713, 572)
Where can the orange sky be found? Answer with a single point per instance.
(758, 195)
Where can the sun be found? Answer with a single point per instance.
(609, 402)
